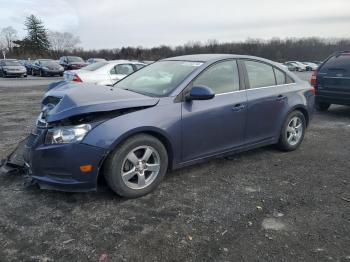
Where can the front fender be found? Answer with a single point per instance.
(162, 120)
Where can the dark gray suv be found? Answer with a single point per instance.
(332, 81)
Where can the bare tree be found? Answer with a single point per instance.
(62, 42)
(8, 35)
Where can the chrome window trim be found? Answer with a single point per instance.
(254, 89)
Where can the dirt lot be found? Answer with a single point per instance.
(262, 205)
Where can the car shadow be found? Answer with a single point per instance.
(336, 111)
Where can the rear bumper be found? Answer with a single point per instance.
(331, 97)
(57, 167)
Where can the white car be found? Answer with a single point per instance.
(103, 73)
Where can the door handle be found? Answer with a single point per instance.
(238, 107)
(281, 98)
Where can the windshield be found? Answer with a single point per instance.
(95, 66)
(11, 63)
(158, 79)
(49, 63)
(75, 59)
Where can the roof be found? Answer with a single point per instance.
(211, 57)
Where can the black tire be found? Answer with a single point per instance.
(61, 74)
(32, 72)
(321, 106)
(41, 73)
(1, 73)
(285, 144)
(117, 161)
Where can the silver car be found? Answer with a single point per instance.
(103, 73)
(12, 67)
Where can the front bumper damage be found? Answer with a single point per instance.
(55, 167)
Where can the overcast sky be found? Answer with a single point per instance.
(116, 23)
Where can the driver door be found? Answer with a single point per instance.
(216, 125)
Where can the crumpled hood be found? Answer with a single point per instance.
(77, 99)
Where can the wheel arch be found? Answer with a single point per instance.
(303, 110)
(157, 133)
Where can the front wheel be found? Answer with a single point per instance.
(137, 167)
(293, 131)
(320, 106)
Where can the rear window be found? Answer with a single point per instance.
(337, 62)
(95, 66)
(75, 59)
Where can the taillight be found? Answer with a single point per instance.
(313, 90)
(314, 79)
(76, 78)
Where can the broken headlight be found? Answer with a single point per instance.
(67, 134)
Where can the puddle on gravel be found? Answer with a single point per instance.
(273, 224)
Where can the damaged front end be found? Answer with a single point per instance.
(54, 155)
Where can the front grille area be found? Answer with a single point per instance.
(35, 138)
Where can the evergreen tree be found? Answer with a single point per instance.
(37, 39)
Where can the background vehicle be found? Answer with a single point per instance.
(95, 60)
(295, 66)
(28, 65)
(310, 66)
(103, 73)
(172, 113)
(72, 62)
(12, 67)
(332, 81)
(46, 67)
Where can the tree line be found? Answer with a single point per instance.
(42, 43)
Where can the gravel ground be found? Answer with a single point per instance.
(263, 205)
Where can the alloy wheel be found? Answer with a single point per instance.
(140, 167)
(294, 130)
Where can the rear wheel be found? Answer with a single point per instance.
(32, 72)
(321, 106)
(293, 131)
(137, 166)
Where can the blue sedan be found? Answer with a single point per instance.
(172, 113)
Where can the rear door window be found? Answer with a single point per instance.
(123, 69)
(259, 74)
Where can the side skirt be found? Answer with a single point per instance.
(265, 142)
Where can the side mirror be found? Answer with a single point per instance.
(199, 93)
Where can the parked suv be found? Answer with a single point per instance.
(72, 62)
(332, 81)
(172, 113)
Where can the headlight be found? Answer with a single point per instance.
(67, 134)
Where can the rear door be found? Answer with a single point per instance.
(333, 78)
(267, 100)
